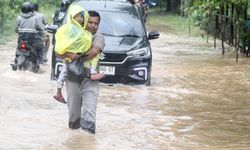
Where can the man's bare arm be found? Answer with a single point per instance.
(92, 52)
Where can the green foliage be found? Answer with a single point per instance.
(201, 10)
(170, 23)
(10, 9)
(7, 11)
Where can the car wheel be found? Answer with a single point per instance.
(148, 82)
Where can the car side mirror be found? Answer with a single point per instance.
(153, 35)
(52, 28)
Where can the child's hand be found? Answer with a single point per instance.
(96, 76)
(73, 56)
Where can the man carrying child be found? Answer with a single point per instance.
(72, 39)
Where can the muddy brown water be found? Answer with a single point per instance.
(198, 100)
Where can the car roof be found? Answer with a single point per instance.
(115, 6)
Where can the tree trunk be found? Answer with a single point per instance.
(222, 29)
(244, 30)
(226, 23)
(182, 7)
(160, 4)
(172, 5)
(216, 26)
(231, 38)
(168, 5)
(237, 35)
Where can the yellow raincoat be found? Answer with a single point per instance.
(74, 38)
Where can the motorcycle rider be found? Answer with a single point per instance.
(57, 20)
(46, 37)
(60, 13)
(30, 28)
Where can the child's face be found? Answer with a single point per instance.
(79, 18)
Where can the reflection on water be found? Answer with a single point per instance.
(198, 100)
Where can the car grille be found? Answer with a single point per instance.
(111, 57)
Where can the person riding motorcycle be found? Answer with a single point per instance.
(30, 28)
(60, 13)
(45, 37)
(58, 17)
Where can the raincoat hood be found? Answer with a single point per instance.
(72, 36)
(27, 15)
(75, 9)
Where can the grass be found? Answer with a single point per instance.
(167, 22)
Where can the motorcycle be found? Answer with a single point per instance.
(56, 63)
(26, 54)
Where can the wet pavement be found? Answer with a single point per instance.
(198, 100)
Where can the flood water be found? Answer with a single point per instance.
(198, 100)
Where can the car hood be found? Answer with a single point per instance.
(121, 44)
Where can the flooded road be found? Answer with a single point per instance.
(198, 100)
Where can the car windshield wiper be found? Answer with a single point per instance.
(107, 34)
(128, 35)
(124, 35)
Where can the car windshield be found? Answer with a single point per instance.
(120, 24)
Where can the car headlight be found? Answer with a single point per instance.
(139, 53)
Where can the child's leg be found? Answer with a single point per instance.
(62, 77)
(60, 81)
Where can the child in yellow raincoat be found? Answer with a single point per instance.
(72, 39)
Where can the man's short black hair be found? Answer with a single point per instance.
(36, 6)
(94, 14)
(132, 1)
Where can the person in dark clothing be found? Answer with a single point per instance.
(60, 13)
(45, 37)
(57, 20)
(28, 24)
